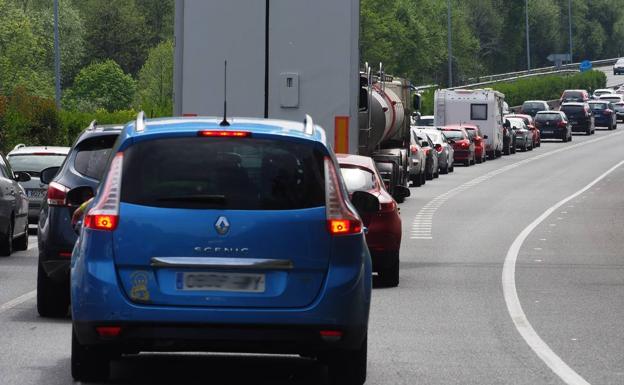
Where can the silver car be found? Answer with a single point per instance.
(618, 103)
(444, 150)
(524, 136)
(32, 160)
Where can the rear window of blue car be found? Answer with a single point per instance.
(224, 173)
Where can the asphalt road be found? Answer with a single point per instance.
(448, 321)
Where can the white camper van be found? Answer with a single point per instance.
(481, 107)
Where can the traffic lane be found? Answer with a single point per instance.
(447, 322)
(612, 80)
(572, 269)
(18, 272)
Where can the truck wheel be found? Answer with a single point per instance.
(88, 363)
(52, 297)
(348, 367)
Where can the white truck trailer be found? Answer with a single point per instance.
(285, 58)
(481, 107)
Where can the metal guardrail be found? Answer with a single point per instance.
(490, 79)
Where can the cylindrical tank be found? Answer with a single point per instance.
(387, 116)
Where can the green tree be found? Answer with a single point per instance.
(101, 85)
(159, 18)
(22, 52)
(116, 30)
(155, 84)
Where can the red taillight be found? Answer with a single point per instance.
(413, 149)
(390, 206)
(439, 147)
(427, 151)
(188, 115)
(65, 254)
(607, 112)
(562, 124)
(105, 214)
(224, 134)
(464, 143)
(331, 334)
(57, 194)
(341, 216)
(108, 331)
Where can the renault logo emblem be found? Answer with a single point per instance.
(222, 225)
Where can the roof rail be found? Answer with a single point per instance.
(92, 125)
(308, 125)
(18, 146)
(139, 125)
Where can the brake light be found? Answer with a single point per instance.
(57, 194)
(607, 112)
(562, 124)
(105, 214)
(108, 331)
(341, 216)
(413, 149)
(439, 147)
(224, 134)
(390, 206)
(331, 335)
(464, 143)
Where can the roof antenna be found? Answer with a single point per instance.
(224, 122)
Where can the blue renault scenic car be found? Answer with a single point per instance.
(235, 237)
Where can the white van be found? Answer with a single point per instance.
(481, 107)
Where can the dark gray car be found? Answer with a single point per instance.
(13, 209)
(443, 149)
(33, 159)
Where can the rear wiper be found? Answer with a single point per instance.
(201, 198)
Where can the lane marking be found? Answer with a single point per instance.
(433, 205)
(524, 327)
(18, 301)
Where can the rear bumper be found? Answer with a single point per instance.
(462, 154)
(342, 303)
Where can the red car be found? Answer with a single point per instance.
(475, 135)
(384, 227)
(528, 120)
(463, 146)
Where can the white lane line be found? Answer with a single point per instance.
(524, 327)
(18, 301)
(429, 209)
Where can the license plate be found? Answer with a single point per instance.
(573, 122)
(547, 132)
(215, 281)
(35, 194)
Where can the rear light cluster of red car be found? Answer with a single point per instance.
(414, 149)
(390, 206)
(464, 143)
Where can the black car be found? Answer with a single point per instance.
(553, 125)
(13, 209)
(84, 166)
(580, 117)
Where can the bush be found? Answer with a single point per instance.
(548, 87)
(29, 119)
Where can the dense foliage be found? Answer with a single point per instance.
(410, 37)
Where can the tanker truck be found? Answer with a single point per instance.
(384, 123)
(287, 59)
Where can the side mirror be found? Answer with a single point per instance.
(485, 136)
(365, 203)
(21, 176)
(402, 191)
(416, 102)
(47, 174)
(79, 195)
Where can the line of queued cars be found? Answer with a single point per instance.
(578, 112)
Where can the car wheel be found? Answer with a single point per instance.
(570, 138)
(437, 174)
(507, 150)
(452, 168)
(52, 297)
(88, 363)
(348, 367)
(21, 242)
(389, 276)
(429, 175)
(6, 241)
(564, 137)
(423, 179)
(416, 180)
(588, 131)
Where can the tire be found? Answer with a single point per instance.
(6, 241)
(570, 138)
(87, 363)
(452, 168)
(498, 153)
(513, 149)
(588, 131)
(429, 175)
(479, 160)
(437, 174)
(21, 242)
(389, 276)
(52, 297)
(445, 170)
(416, 181)
(348, 367)
(564, 138)
(423, 179)
(507, 150)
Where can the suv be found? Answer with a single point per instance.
(247, 243)
(580, 116)
(84, 166)
(32, 160)
(554, 125)
(532, 107)
(13, 209)
(581, 96)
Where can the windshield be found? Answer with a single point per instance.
(224, 173)
(573, 95)
(424, 121)
(454, 134)
(357, 179)
(33, 164)
(598, 106)
(547, 117)
(533, 106)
